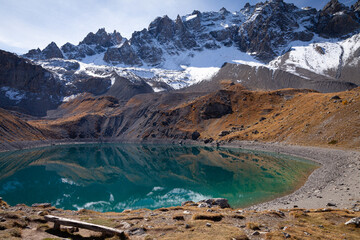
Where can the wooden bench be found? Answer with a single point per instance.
(79, 224)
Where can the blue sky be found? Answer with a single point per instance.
(27, 24)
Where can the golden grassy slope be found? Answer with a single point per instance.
(294, 116)
(303, 117)
(13, 128)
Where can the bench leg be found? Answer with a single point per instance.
(57, 226)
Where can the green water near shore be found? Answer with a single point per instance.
(114, 177)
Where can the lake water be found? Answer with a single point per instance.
(114, 177)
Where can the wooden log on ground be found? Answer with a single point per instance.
(79, 224)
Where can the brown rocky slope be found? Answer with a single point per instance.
(291, 116)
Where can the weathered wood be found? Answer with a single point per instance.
(79, 224)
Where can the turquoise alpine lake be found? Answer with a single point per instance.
(114, 177)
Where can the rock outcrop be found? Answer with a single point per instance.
(51, 51)
(27, 87)
(336, 20)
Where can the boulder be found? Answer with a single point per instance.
(221, 202)
(195, 135)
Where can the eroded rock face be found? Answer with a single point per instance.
(125, 55)
(27, 87)
(272, 25)
(220, 106)
(21, 74)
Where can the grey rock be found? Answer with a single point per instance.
(221, 202)
(224, 133)
(41, 205)
(286, 235)
(336, 97)
(203, 205)
(355, 221)
(195, 135)
(136, 231)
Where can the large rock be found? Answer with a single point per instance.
(221, 202)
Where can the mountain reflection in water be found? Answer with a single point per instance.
(114, 177)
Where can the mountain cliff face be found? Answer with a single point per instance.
(32, 89)
(265, 30)
(268, 46)
(231, 113)
(27, 87)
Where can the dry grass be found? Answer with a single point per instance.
(223, 224)
(205, 216)
(253, 225)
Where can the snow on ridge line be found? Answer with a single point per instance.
(188, 18)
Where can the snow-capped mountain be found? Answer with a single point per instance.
(263, 31)
(271, 45)
(181, 52)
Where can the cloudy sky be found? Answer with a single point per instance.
(26, 24)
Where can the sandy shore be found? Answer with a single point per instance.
(337, 181)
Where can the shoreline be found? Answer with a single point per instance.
(335, 181)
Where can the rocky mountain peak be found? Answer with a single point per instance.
(337, 20)
(162, 29)
(224, 11)
(50, 51)
(271, 25)
(356, 6)
(102, 38)
(333, 7)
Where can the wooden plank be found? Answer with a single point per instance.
(79, 224)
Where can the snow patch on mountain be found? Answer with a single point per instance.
(13, 94)
(321, 57)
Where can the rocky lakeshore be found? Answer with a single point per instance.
(189, 221)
